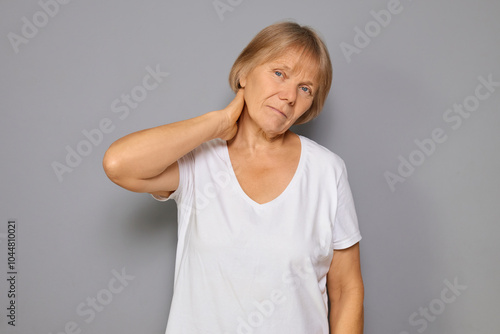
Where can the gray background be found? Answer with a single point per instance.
(440, 225)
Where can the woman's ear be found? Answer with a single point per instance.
(243, 80)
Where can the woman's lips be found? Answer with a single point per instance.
(279, 111)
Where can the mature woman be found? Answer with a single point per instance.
(268, 234)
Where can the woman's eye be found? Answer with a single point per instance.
(278, 73)
(306, 89)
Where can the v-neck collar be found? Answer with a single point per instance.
(282, 195)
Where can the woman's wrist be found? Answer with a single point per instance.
(217, 121)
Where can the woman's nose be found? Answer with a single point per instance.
(289, 93)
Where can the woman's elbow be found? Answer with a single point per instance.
(114, 167)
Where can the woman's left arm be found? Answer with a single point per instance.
(345, 292)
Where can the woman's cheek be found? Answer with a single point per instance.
(250, 103)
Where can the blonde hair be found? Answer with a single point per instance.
(275, 40)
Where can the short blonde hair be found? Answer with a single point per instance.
(272, 42)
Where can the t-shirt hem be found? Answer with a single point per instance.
(347, 242)
(164, 199)
(161, 198)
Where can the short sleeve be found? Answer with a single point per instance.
(162, 198)
(186, 177)
(345, 228)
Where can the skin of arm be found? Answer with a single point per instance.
(146, 160)
(345, 292)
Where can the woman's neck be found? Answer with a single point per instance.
(252, 137)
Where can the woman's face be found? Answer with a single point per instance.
(277, 93)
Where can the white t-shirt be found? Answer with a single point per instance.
(244, 267)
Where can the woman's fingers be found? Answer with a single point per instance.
(232, 112)
(237, 103)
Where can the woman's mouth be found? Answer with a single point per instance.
(278, 111)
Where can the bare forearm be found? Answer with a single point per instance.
(346, 313)
(147, 153)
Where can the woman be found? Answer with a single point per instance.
(260, 209)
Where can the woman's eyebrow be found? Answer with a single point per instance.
(281, 65)
(309, 83)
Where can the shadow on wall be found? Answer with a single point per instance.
(154, 217)
(143, 234)
(141, 219)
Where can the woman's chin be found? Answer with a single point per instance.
(273, 130)
(272, 125)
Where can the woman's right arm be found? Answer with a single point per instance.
(146, 161)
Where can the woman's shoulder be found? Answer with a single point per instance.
(209, 148)
(321, 153)
(214, 144)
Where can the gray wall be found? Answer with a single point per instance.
(423, 173)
